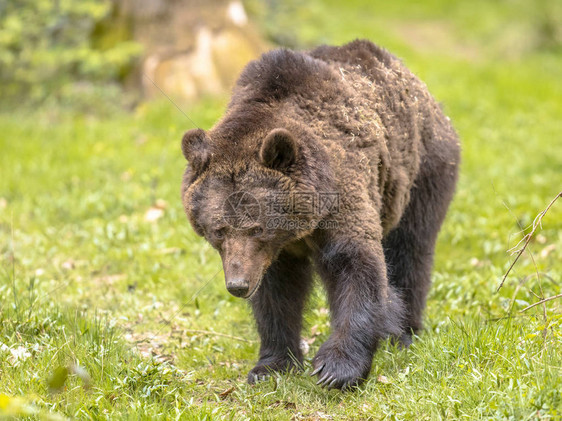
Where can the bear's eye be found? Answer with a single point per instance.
(256, 232)
(219, 234)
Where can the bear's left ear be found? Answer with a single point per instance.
(195, 148)
(279, 150)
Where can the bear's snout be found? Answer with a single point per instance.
(244, 262)
(238, 287)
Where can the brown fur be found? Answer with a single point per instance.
(350, 120)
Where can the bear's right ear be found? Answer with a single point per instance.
(279, 150)
(195, 148)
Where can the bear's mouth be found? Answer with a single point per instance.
(249, 297)
(258, 284)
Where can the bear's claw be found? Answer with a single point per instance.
(317, 370)
(255, 378)
(265, 368)
(325, 379)
(336, 370)
(259, 374)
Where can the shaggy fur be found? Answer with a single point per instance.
(348, 120)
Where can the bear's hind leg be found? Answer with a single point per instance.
(278, 306)
(409, 247)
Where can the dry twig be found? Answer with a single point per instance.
(542, 302)
(211, 333)
(527, 238)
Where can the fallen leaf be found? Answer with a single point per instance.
(314, 330)
(110, 279)
(141, 140)
(224, 394)
(68, 264)
(309, 341)
(126, 176)
(547, 250)
(383, 379)
(286, 405)
(153, 214)
(474, 262)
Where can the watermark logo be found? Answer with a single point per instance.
(286, 211)
(241, 210)
(302, 203)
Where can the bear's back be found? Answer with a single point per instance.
(371, 114)
(359, 52)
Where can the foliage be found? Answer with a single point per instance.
(46, 45)
(99, 268)
(532, 26)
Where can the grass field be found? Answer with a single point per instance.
(111, 307)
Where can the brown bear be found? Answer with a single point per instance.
(339, 160)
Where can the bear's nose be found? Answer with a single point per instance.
(238, 287)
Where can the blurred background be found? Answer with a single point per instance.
(80, 53)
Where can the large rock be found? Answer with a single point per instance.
(192, 48)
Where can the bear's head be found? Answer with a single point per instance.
(250, 199)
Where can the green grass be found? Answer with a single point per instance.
(86, 280)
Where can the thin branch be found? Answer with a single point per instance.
(170, 99)
(211, 333)
(542, 302)
(527, 238)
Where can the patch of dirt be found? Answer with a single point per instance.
(150, 345)
(172, 337)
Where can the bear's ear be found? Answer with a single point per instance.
(279, 150)
(195, 148)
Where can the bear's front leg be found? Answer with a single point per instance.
(364, 309)
(278, 305)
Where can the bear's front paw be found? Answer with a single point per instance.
(338, 368)
(265, 368)
(405, 340)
